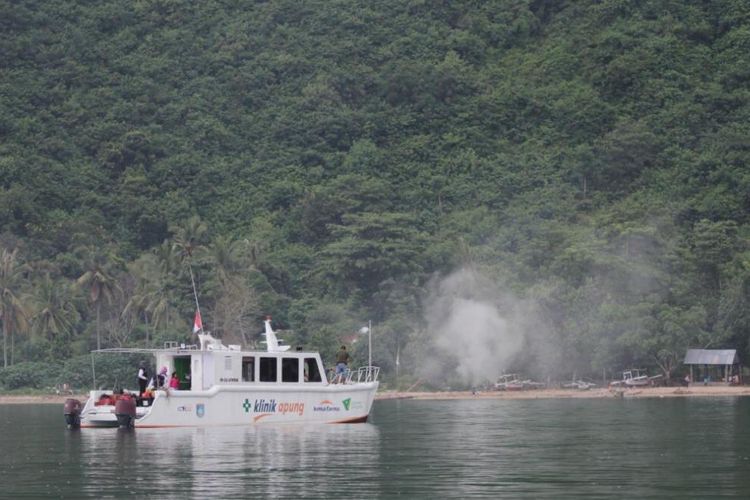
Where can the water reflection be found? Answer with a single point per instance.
(670, 448)
(231, 462)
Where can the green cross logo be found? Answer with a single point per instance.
(347, 402)
(246, 405)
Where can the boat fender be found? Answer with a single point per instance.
(72, 412)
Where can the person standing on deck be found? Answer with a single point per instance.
(142, 379)
(342, 363)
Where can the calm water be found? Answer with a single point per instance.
(658, 448)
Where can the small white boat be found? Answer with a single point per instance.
(508, 382)
(224, 385)
(511, 382)
(635, 378)
(579, 384)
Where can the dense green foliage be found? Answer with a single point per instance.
(322, 161)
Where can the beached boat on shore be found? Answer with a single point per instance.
(635, 378)
(225, 385)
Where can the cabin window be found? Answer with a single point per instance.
(227, 363)
(290, 370)
(312, 374)
(248, 369)
(268, 369)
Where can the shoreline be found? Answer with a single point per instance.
(598, 393)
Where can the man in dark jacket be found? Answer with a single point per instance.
(142, 379)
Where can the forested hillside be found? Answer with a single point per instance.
(554, 186)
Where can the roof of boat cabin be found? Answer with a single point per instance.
(181, 351)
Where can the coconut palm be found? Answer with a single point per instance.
(14, 309)
(100, 283)
(188, 238)
(154, 295)
(227, 256)
(164, 260)
(235, 300)
(160, 305)
(55, 311)
(143, 271)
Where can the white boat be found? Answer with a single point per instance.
(509, 382)
(225, 385)
(635, 378)
(579, 384)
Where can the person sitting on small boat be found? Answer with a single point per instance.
(174, 382)
(342, 363)
(142, 378)
(161, 379)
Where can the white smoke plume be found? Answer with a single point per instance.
(475, 328)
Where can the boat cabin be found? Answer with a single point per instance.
(216, 364)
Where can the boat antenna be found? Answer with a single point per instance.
(93, 369)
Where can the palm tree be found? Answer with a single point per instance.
(187, 239)
(100, 284)
(189, 236)
(55, 313)
(143, 270)
(160, 303)
(227, 255)
(159, 286)
(236, 301)
(14, 310)
(165, 261)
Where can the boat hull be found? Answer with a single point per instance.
(245, 405)
(104, 415)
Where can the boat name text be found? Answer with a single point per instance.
(273, 406)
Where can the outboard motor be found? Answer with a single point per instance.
(125, 411)
(72, 412)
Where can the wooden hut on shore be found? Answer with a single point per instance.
(714, 366)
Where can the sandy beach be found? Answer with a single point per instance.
(651, 392)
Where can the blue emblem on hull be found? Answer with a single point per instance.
(200, 410)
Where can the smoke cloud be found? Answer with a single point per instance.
(476, 330)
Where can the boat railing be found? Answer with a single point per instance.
(360, 376)
(172, 345)
(368, 374)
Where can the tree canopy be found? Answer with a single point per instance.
(329, 162)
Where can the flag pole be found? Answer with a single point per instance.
(195, 294)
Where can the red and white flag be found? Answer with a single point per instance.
(197, 323)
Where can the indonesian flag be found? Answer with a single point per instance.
(197, 323)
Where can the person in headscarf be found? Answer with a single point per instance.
(161, 379)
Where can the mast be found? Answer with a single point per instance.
(272, 343)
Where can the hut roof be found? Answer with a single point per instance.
(711, 357)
